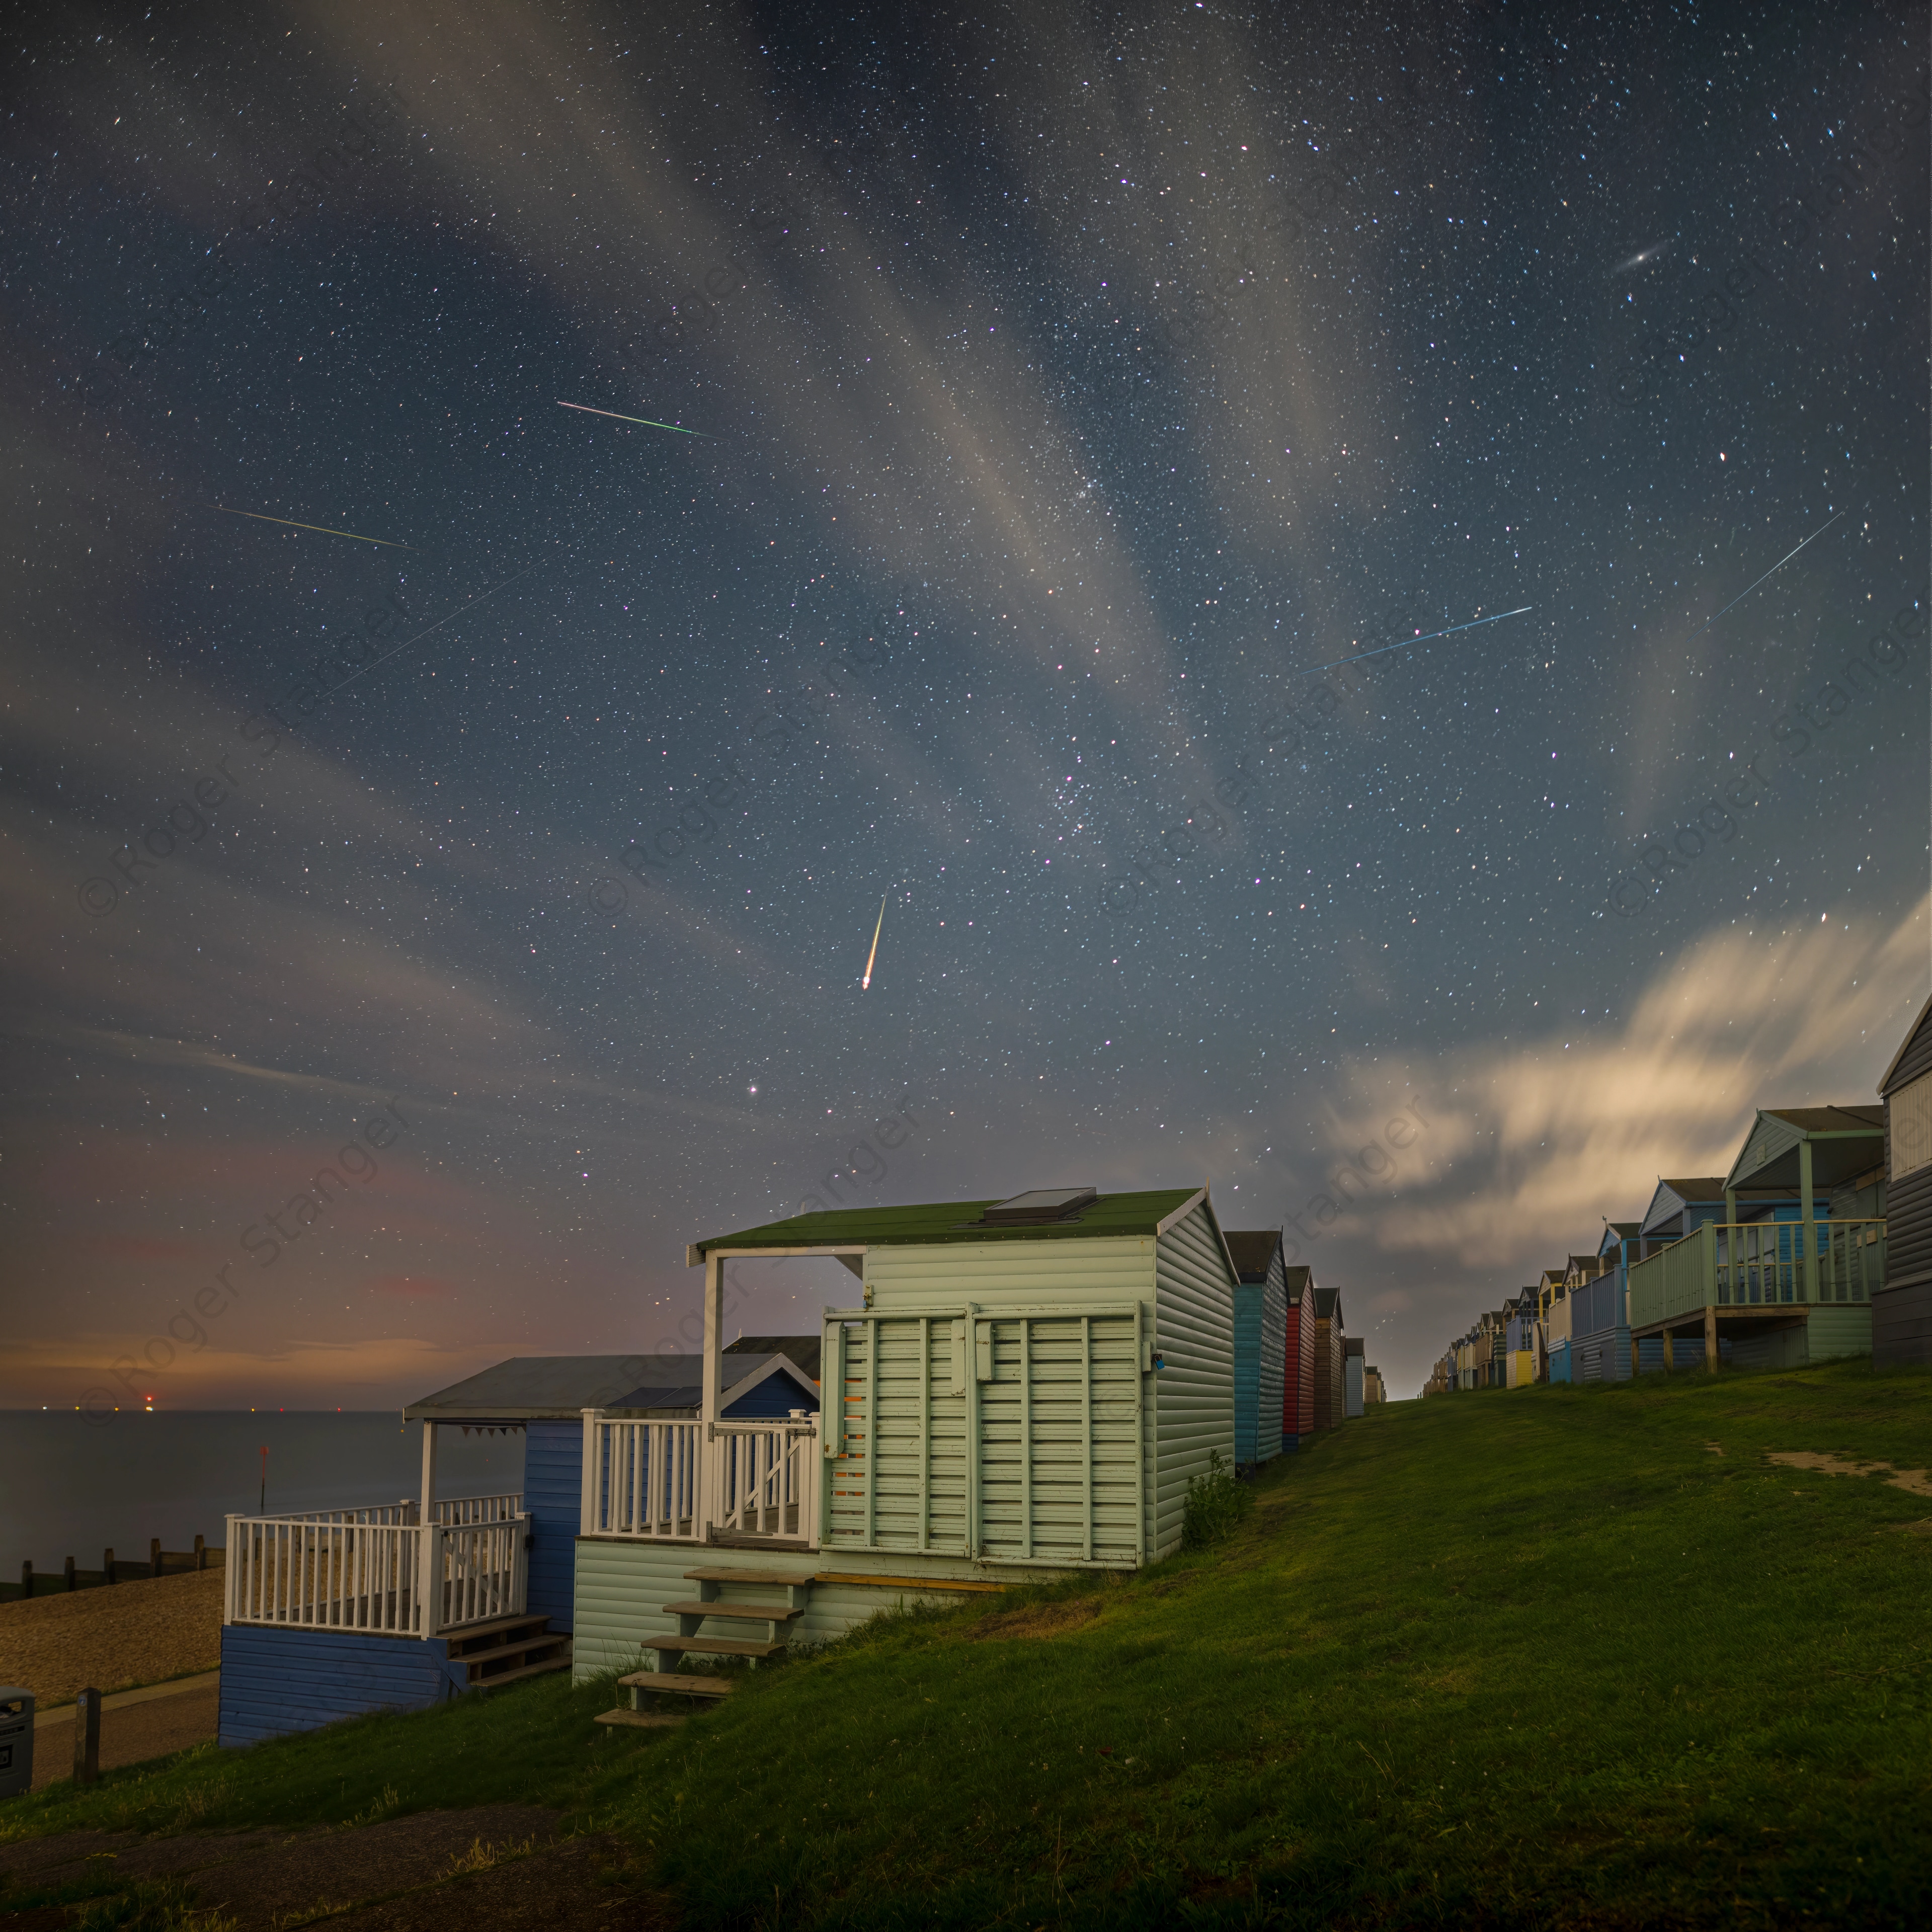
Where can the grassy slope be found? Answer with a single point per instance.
(1532, 1658)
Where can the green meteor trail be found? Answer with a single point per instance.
(323, 528)
(645, 420)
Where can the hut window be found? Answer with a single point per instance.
(1910, 1112)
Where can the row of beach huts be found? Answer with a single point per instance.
(1816, 1243)
(1011, 1391)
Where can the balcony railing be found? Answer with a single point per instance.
(674, 1482)
(1759, 1265)
(378, 1570)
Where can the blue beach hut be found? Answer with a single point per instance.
(330, 1613)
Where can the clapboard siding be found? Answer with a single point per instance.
(1248, 1298)
(1835, 1332)
(623, 1586)
(1195, 1390)
(1767, 1348)
(553, 1491)
(1297, 1407)
(275, 1682)
(1901, 1319)
(1908, 1229)
(1274, 1341)
(774, 1399)
(1601, 1356)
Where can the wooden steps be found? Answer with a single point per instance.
(752, 1579)
(508, 1649)
(672, 1680)
(710, 1646)
(471, 1635)
(744, 1613)
(711, 1604)
(662, 1683)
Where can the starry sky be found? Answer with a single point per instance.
(444, 825)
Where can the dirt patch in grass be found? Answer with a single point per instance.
(1035, 1620)
(1914, 1482)
(499, 1865)
(112, 1637)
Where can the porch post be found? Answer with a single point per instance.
(1804, 1214)
(1670, 1360)
(428, 1472)
(1710, 1339)
(590, 1497)
(709, 1460)
(714, 1337)
(429, 1544)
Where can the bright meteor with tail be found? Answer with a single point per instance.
(647, 422)
(874, 953)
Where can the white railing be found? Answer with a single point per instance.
(339, 1569)
(476, 1509)
(485, 1571)
(643, 1479)
(665, 1482)
(311, 1573)
(376, 1515)
(766, 1475)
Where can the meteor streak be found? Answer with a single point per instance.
(1750, 587)
(645, 420)
(874, 953)
(322, 527)
(1423, 639)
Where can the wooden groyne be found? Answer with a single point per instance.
(159, 1562)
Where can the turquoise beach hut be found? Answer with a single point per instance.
(1261, 1342)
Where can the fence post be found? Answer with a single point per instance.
(107, 1566)
(69, 1576)
(153, 1556)
(86, 1736)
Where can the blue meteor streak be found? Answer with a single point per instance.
(1749, 588)
(1422, 639)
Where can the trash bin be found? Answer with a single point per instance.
(16, 1740)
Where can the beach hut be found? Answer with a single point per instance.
(1553, 1305)
(1328, 1358)
(329, 1613)
(1770, 1281)
(1297, 1390)
(1901, 1310)
(1261, 1343)
(1519, 1334)
(1023, 1389)
(1353, 1365)
(1599, 1330)
(1374, 1389)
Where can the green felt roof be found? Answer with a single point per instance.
(936, 1221)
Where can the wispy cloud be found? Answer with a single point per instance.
(1577, 1124)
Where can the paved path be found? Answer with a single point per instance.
(134, 1724)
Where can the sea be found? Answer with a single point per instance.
(71, 1487)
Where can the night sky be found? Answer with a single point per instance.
(1035, 399)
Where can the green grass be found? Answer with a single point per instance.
(1522, 1658)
